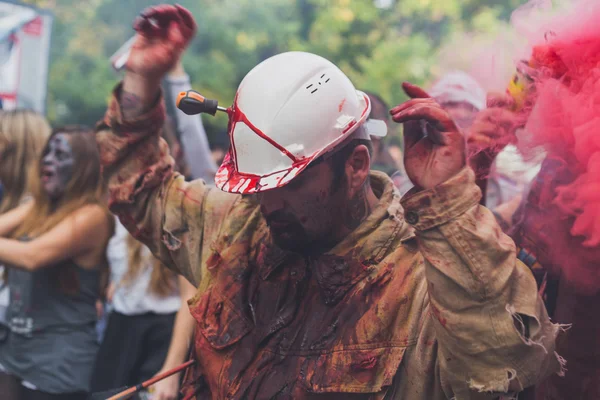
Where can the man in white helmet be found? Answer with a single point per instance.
(312, 280)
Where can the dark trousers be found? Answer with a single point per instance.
(11, 389)
(133, 350)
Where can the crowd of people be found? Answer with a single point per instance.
(322, 259)
(85, 306)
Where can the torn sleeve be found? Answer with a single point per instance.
(155, 203)
(493, 330)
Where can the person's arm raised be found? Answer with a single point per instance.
(493, 332)
(152, 201)
(163, 33)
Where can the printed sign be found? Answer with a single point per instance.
(25, 33)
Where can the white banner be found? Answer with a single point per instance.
(25, 33)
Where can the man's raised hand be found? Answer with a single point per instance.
(163, 33)
(434, 148)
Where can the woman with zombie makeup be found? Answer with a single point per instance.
(54, 247)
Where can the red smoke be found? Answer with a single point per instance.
(565, 119)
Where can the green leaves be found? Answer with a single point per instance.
(378, 48)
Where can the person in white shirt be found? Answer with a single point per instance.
(149, 327)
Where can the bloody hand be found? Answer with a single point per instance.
(163, 34)
(434, 147)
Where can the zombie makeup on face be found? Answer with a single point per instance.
(303, 215)
(57, 165)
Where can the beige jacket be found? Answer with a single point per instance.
(425, 300)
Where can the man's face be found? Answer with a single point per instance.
(57, 166)
(304, 215)
(463, 114)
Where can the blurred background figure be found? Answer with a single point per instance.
(383, 159)
(193, 153)
(23, 134)
(54, 250)
(461, 96)
(501, 169)
(149, 326)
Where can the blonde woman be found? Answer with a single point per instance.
(54, 247)
(23, 134)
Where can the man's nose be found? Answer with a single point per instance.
(270, 201)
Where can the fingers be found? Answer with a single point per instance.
(152, 20)
(143, 26)
(412, 133)
(418, 109)
(410, 103)
(159, 20)
(422, 115)
(162, 14)
(414, 92)
(183, 29)
(187, 18)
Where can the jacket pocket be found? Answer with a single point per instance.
(218, 321)
(352, 371)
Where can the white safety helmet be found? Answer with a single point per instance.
(289, 110)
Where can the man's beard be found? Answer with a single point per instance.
(287, 233)
(293, 237)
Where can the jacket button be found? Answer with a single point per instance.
(411, 217)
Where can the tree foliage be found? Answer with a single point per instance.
(379, 44)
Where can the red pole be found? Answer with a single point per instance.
(126, 393)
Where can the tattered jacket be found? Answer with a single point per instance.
(424, 300)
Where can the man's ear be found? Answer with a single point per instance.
(358, 166)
